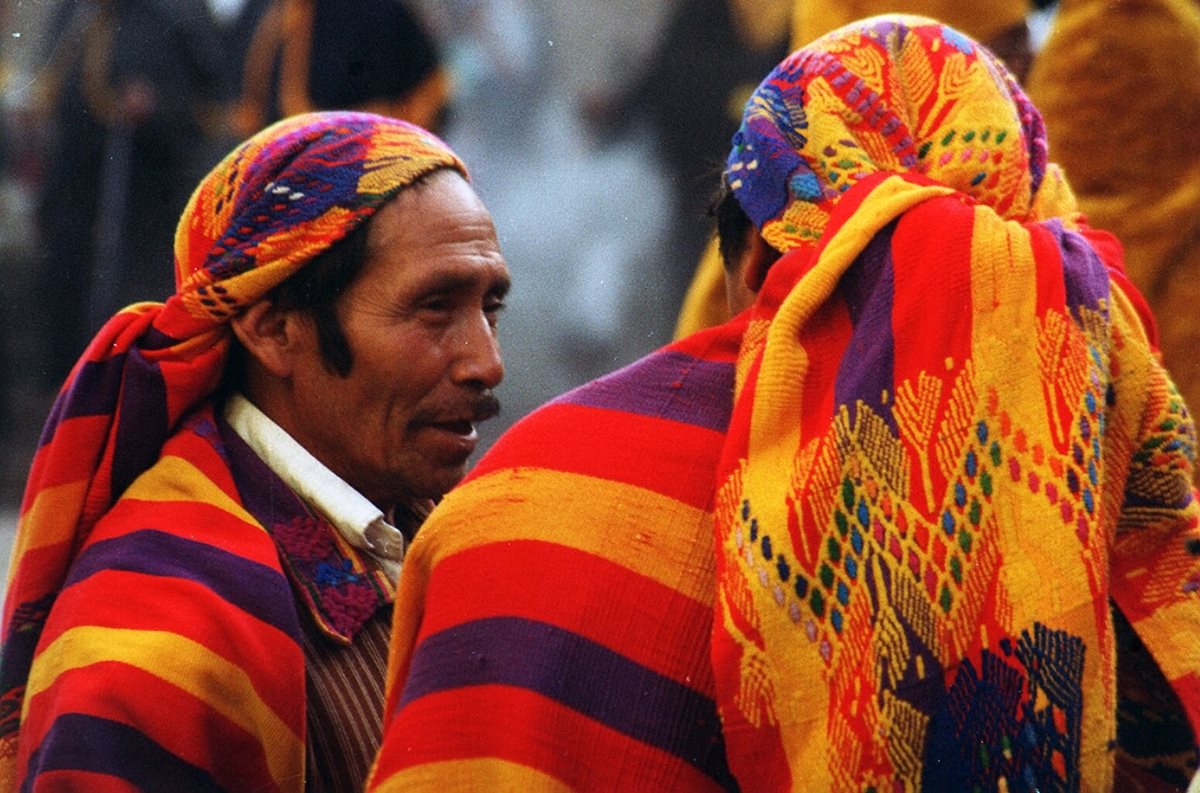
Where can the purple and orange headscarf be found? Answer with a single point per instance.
(275, 202)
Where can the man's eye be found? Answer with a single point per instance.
(493, 310)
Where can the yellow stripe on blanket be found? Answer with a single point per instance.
(463, 775)
(641, 528)
(175, 479)
(214, 680)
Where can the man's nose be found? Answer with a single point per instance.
(479, 360)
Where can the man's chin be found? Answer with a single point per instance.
(439, 482)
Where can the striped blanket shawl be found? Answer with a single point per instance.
(552, 620)
(173, 657)
(552, 629)
(272, 205)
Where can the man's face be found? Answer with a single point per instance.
(420, 321)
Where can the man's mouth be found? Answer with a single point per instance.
(463, 428)
(486, 407)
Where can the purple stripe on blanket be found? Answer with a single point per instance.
(94, 393)
(254, 588)
(264, 494)
(89, 744)
(141, 421)
(868, 365)
(1085, 275)
(578, 673)
(668, 385)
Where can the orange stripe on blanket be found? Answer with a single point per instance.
(641, 527)
(464, 776)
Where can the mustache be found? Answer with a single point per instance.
(484, 407)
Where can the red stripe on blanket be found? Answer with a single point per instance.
(615, 445)
(635, 616)
(520, 726)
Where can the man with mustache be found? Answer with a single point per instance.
(213, 526)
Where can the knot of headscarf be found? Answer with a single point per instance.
(891, 94)
(269, 207)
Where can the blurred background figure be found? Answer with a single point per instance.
(1119, 85)
(689, 92)
(129, 98)
(370, 55)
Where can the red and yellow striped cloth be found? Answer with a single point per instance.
(552, 620)
(268, 208)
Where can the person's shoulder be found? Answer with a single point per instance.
(187, 506)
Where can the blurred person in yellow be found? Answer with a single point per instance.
(998, 25)
(1119, 86)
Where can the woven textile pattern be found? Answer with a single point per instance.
(952, 444)
(269, 207)
(553, 620)
(889, 96)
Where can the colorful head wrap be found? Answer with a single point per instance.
(939, 395)
(269, 207)
(705, 304)
(893, 95)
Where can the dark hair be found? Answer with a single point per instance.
(732, 224)
(315, 288)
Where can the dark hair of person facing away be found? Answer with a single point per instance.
(732, 223)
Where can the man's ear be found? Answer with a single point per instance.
(756, 260)
(744, 281)
(269, 335)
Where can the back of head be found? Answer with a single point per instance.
(902, 95)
